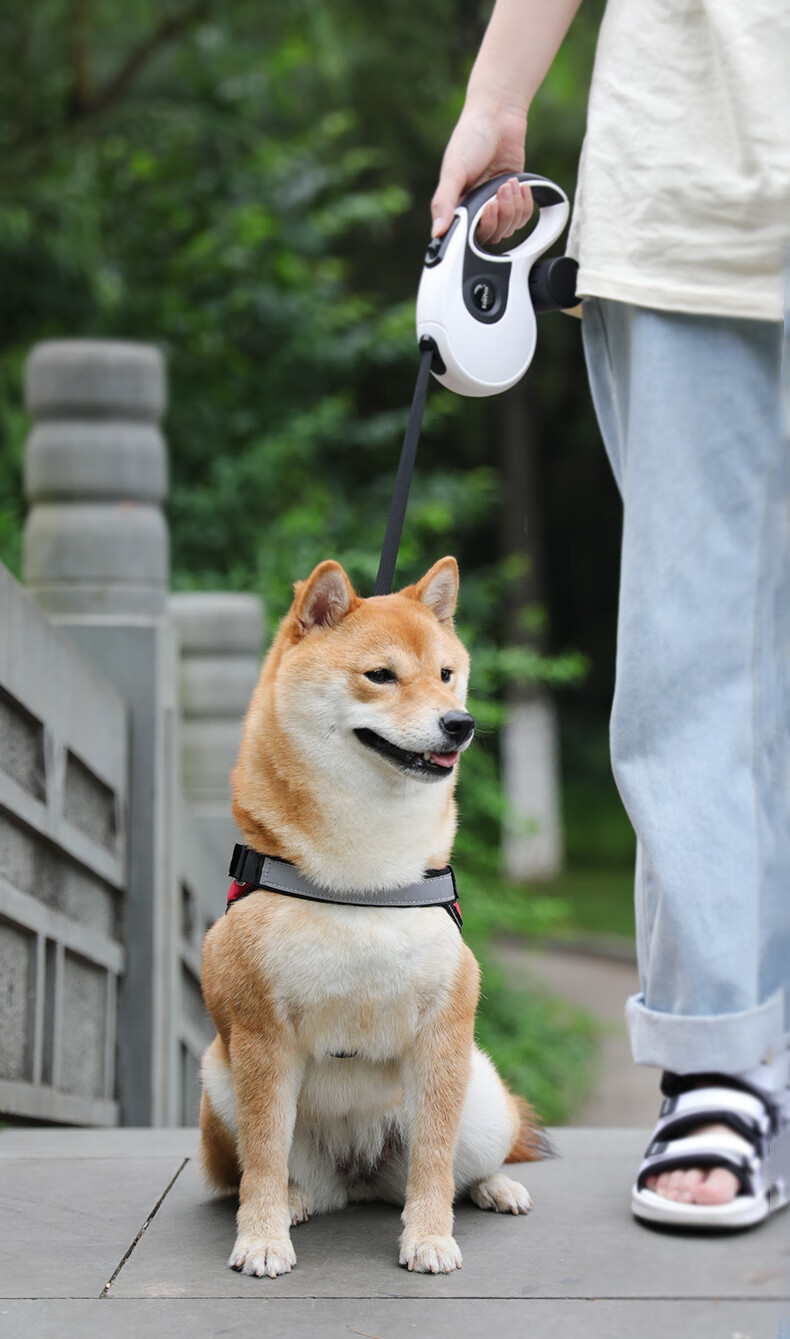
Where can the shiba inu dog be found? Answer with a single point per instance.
(344, 1066)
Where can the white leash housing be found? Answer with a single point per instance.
(476, 306)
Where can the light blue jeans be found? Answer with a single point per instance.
(689, 411)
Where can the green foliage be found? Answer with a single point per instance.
(600, 901)
(543, 1047)
(248, 187)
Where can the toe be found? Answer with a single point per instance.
(673, 1185)
(692, 1178)
(718, 1187)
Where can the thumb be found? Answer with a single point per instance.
(452, 184)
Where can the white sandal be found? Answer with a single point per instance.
(755, 1148)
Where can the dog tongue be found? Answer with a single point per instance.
(445, 759)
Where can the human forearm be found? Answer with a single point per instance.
(520, 43)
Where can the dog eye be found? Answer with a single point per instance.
(380, 676)
(447, 675)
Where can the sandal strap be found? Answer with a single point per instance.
(676, 1085)
(757, 1152)
(776, 1166)
(742, 1112)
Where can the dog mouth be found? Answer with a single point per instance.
(430, 765)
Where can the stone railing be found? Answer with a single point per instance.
(219, 639)
(103, 1019)
(63, 872)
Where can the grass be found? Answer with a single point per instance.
(598, 901)
(544, 1048)
(580, 901)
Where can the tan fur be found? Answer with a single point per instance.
(290, 983)
(439, 1068)
(218, 1153)
(529, 1144)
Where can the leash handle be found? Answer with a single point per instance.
(400, 496)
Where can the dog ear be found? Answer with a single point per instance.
(324, 599)
(439, 589)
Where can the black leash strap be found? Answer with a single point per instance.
(400, 497)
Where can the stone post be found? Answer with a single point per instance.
(96, 561)
(220, 636)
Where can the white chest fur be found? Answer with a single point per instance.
(358, 979)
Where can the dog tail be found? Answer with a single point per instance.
(531, 1142)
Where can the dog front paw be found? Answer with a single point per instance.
(430, 1255)
(499, 1193)
(261, 1256)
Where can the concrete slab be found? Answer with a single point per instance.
(580, 1241)
(577, 1268)
(65, 1224)
(57, 1142)
(389, 1319)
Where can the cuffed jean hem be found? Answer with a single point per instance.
(685, 1044)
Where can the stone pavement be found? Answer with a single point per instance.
(110, 1235)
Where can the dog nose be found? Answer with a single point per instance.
(459, 726)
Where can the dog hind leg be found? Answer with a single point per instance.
(218, 1153)
(490, 1125)
(316, 1185)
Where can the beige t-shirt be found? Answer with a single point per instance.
(683, 197)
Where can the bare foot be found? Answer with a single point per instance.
(698, 1185)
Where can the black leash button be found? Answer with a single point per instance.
(438, 245)
(484, 295)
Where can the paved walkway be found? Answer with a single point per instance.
(110, 1235)
(623, 1093)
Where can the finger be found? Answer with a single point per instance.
(488, 222)
(526, 206)
(452, 184)
(523, 205)
(507, 212)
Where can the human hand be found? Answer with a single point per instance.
(487, 141)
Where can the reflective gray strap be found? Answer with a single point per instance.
(752, 1109)
(281, 877)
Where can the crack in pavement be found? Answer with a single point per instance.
(152, 1215)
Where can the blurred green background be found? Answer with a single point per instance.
(248, 186)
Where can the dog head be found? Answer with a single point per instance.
(376, 685)
(360, 713)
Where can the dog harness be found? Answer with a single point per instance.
(251, 871)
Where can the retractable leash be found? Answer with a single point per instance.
(476, 330)
(476, 324)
